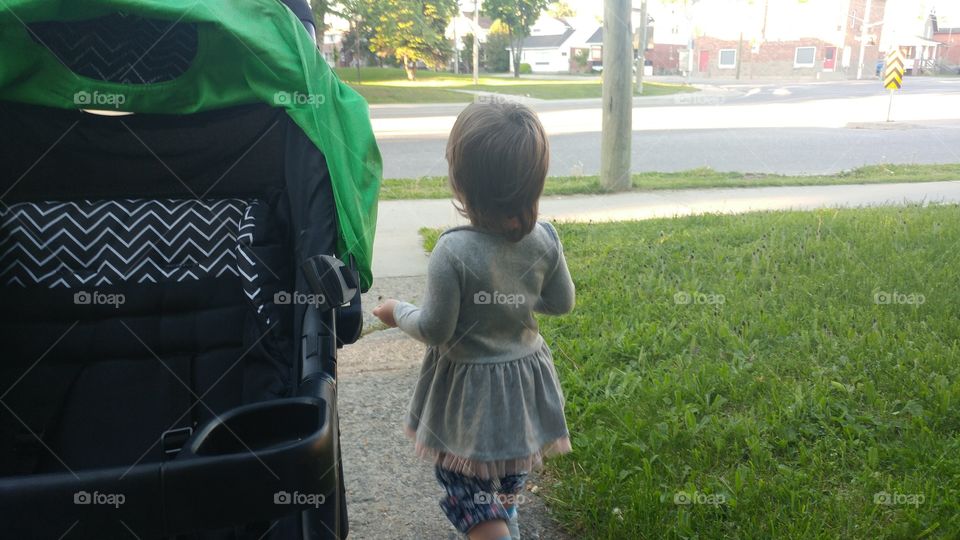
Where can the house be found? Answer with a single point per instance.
(949, 40)
(332, 43)
(552, 43)
(669, 28)
(909, 27)
(463, 24)
(820, 39)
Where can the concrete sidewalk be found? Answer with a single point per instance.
(398, 248)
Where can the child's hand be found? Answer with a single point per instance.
(384, 312)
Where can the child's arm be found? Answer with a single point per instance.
(434, 322)
(558, 294)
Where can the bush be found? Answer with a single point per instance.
(525, 69)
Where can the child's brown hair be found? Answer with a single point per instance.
(498, 154)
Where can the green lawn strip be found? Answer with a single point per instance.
(389, 85)
(768, 375)
(393, 95)
(580, 91)
(436, 187)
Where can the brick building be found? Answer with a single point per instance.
(949, 39)
(817, 39)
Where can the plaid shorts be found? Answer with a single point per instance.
(471, 501)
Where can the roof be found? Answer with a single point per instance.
(916, 41)
(943, 30)
(547, 42)
(597, 36)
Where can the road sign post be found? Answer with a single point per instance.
(893, 73)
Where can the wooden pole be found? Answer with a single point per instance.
(739, 55)
(456, 44)
(476, 42)
(356, 36)
(642, 52)
(617, 136)
(864, 32)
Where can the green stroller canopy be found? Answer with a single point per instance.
(254, 51)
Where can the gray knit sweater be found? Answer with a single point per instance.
(488, 402)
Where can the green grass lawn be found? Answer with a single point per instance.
(436, 187)
(769, 369)
(390, 85)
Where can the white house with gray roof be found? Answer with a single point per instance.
(552, 42)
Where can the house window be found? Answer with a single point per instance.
(596, 54)
(728, 58)
(805, 57)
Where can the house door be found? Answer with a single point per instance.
(829, 58)
(704, 61)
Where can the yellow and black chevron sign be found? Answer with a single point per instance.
(894, 70)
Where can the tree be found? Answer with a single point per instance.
(320, 9)
(518, 16)
(496, 53)
(562, 9)
(411, 31)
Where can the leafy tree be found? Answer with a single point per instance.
(411, 31)
(518, 16)
(320, 9)
(497, 53)
(561, 9)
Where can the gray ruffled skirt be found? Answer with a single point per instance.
(488, 419)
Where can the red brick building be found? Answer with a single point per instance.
(817, 39)
(949, 39)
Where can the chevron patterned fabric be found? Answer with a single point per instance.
(121, 48)
(95, 243)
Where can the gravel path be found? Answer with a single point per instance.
(392, 494)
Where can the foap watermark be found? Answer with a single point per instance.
(896, 499)
(883, 298)
(505, 499)
(698, 99)
(97, 298)
(284, 298)
(104, 499)
(315, 500)
(283, 98)
(683, 298)
(99, 99)
(497, 298)
(686, 498)
(500, 99)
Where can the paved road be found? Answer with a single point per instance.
(774, 128)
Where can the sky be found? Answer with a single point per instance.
(948, 9)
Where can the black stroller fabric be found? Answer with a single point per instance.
(139, 292)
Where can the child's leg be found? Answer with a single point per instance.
(472, 505)
(509, 493)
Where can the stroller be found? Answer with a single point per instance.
(176, 282)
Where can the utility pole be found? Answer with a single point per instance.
(617, 137)
(476, 42)
(739, 55)
(864, 33)
(642, 50)
(456, 44)
(356, 35)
